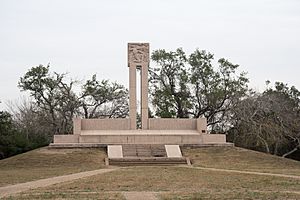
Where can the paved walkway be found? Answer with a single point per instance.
(21, 187)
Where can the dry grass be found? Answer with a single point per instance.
(218, 194)
(182, 183)
(73, 195)
(45, 163)
(170, 182)
(241, 159)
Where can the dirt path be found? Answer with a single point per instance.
(140, 195)
(246, 172)
(13, 189)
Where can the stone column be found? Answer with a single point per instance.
(132, 96)
(76, 126)
(138, 56)
(144, 96)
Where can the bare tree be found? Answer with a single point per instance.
(269, 122)
(56, 99)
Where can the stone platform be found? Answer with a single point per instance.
(113, 137)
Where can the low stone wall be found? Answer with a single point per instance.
(66, 139)
(154, 124)
(199, 124)
(214, 138)
(172, 124)
(100, 124)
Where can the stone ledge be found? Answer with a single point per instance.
(93, 145)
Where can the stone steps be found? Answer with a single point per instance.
(144, 150)
(144, 154)
(130, 161)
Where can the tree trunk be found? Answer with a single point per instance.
(290, 152)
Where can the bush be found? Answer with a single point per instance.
(14, 141)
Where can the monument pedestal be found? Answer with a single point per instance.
(92, 138)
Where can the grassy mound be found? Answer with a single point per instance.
(169, 182)
(45, 163)
(241, 159)
(172, 183)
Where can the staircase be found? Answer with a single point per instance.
(145, 154)
(144, 150)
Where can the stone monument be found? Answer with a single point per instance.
(138, 58)
(155, 131)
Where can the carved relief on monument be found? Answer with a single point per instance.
(138, 53)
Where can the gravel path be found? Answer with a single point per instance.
(14, 189)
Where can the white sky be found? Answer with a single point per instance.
(91, 36)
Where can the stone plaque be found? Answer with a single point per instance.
(138, 53)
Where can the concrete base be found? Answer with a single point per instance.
(132, 137)
(173, 151)
(87, 145)
(97, 138)
(114, 151)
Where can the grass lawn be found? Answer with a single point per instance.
(174, 183)
(45, 163)
(241, 159)
(170, 182)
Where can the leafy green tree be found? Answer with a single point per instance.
(170, 92)
(14, 140)
(189, 86)
(215, 91)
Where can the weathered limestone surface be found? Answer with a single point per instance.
(138, 53)
(138, 57)
(91, 132)
(173, 151)
(105, 124)
(76, 126)
(202, 125)
(141, 137)
(66, 138)
(214, 138)
(114, 151)
(172, 124)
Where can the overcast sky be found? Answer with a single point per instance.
(87, 37)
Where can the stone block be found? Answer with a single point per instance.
(114, 151)
(213, 138)
(202, 125)
(66, 139)
(144, 118)
(132, 76)
(105, 124)
(172, 124)
(173, 151)
(191, 139)
(76, 126)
